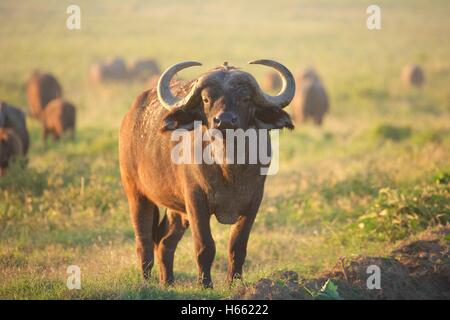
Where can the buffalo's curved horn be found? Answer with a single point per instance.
(287, 92)
(165, 96)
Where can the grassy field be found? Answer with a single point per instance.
(377, 172)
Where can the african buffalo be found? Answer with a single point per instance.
(10, 148)
(223, 98)
(143, 69)
(13, 118)
(113, 69)
(311, 101)
(271, 81)
(59, 116)
(413, 75)
(41, 88)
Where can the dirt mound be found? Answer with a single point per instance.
(418, 269)
(282, 286)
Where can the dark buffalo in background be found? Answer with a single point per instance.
(10, 148)
(113, 69)
(143, 69)
(311, 101)
(13, 118)
(413, 75)
(271, 81)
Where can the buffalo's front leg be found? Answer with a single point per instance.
(240, 233)
(205, 248)
(143, 213)
(170, 232)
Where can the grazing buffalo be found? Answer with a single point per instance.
(413, 75)
(223, 98)
(10, 148)
(312, 100)
(41, 88)
(113, 69)
(13, 118)
(271, 81)
(59, 116)
(143, 69)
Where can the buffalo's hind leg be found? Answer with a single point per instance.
(169, 233)
(143, 214)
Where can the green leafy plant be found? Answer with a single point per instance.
(395, 133)
(395, 214)
(329, 291)
(442, 178)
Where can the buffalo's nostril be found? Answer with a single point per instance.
(226, 120)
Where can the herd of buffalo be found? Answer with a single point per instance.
(223, 98)
(46, 104)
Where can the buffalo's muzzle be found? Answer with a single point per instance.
(226, 120)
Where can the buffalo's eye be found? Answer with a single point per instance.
(205, 100)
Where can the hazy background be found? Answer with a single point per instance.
(383, 145)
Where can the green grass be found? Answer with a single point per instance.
(375, 173)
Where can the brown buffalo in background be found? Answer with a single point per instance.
(224, 98)
(143, 69)
(59, 116)
(113, 69)
(41, 88)
(13, 118)
(10, 148)
(413, 75)
(271, 81)
(311, 101)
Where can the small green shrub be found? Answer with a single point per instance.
(395, 214)
(394, 133)
(329, 291)
(442, 178)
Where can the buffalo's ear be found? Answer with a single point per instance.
(272, 118)
(181, 119)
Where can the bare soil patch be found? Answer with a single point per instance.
(415, 269)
